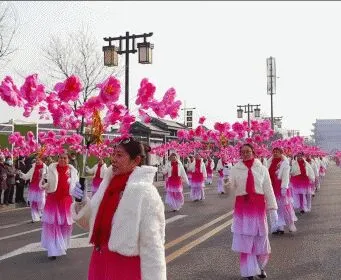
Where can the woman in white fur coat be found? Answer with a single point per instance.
(254, 196)
(175, 177)
(279, 170)
(36, 195)
(56, 220)
(98, 170)
(302, 178)
(125, 219)
(199, 175)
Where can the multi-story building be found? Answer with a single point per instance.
(327, 134)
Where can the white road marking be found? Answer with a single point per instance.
(175, 218)
(36, 247)
(19, 234)
(17, 224)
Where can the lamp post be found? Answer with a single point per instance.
(248, 109)
(271, 83)
(111, 53)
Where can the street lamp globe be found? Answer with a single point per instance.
(145, 52)
(110, 55)
(240, 113)
(257, 113)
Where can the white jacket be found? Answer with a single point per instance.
(93, 170)
(138, 226)
(283, 173)
(29, 174)
(314, 167)
(191, 168)
(262, 181)
(181, 171)
(52, 178)
(295, 170)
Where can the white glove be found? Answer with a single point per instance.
(283, 191)
(273, 216)
(77, 192)
(87, 169)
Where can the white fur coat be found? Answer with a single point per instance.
(93, 170)
(29, 174)
(261, 178)
(138, 226)
(181, 171)
(295, 170)
(191, 167)
(52, 178)
(283, 173)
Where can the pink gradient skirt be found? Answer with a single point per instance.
(56, 225)
(250, 227)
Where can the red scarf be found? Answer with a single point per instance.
(98, 171)
(250, 181)
(276, 183)
(36, 174)
(174, 168)
(197, 166)
(302, 167)
(107, 209)
(63, 187)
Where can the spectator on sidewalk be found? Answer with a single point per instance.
(10, 180)
(3, 177)
(22, 166)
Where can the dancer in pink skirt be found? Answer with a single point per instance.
(220, 168)
(36, 195)
(99, 170)
(199, 176)
(302, 178)
(209, 170)
(279, 170)
(254, 196)
(57, 222)
(175, 176)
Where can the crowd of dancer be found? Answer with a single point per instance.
(125, 214)
(279, 187)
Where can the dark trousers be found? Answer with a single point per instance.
(8, 194)
(19, 195)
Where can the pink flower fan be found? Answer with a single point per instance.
(182, 134)
(31, 91)
(145, 94)
(110, 90)
(69, 90)
(10, 93)
(202, 120)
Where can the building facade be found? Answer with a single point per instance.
(327, 134)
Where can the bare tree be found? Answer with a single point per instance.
(8, 28)
(78, 55)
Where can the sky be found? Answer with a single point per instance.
(213, 53)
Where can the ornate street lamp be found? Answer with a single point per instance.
(145, 52)
(110, 56)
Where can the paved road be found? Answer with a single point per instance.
(198, 241)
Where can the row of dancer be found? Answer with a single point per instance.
(262, 191)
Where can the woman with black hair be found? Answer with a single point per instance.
(254, 196)
(125, 218)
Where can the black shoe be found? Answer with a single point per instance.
(276, 232)
(222, 193)
(302, 212)
(250, 278)
(262, 274)
(281, 231)
(52, 258)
